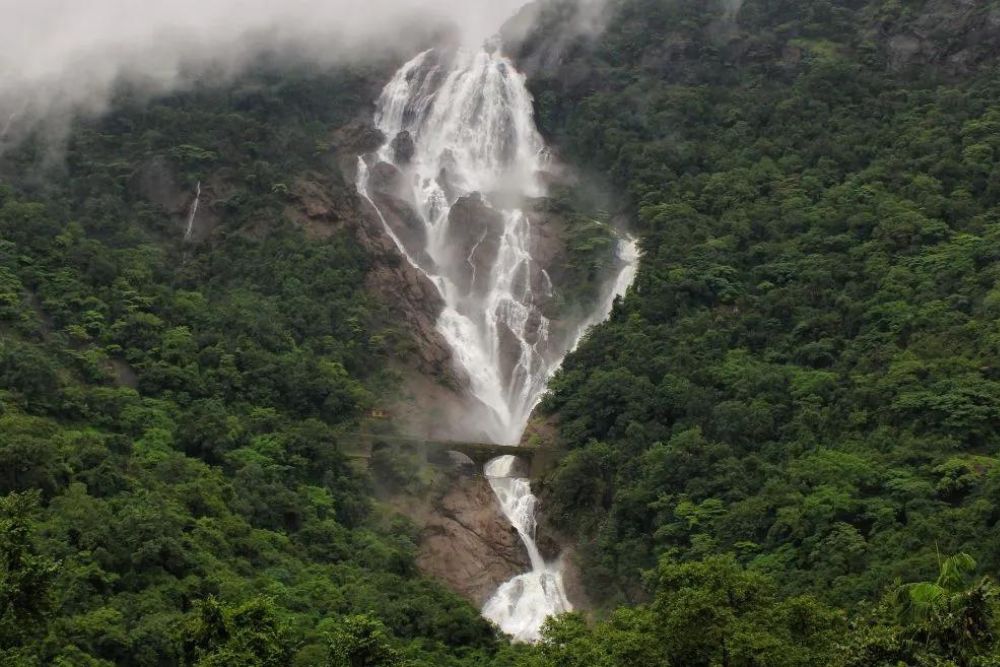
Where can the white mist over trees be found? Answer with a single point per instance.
(62, 57)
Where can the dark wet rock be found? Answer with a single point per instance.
(474, 234)
(510, 352)
(548, 249)
(416, 302)
(349, 142)
(389, 191)
(403, 148)
(958, 36)
(444, 178)
(533, 327)
(357, 138)
(407, 225)
(520, 468)
(466, 542)
(385, 178)
(548, 546)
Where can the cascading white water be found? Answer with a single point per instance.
(475, 147)
(521, 605)
(470, 117)
(475, 158)
(628, 257)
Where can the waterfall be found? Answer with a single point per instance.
(193, 212)
(465, 156)
(521, 605)
(476, 158)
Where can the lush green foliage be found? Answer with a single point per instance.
(713, 612)
(805, 373)
(169, 412)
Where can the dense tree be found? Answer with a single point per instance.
(794, 409)
(803, 374)
(170, 412)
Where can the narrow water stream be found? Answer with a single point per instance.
(193, 213)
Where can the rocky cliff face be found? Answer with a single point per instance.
(956, 36)
(320, 207)
(321, 203)
(392, 198)
(475, 231)
(465, 541)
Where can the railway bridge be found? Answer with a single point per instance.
(438, 452)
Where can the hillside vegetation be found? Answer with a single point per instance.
(783, 445)
(805, 375)
(170, 410)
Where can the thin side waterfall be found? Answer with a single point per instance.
(193, 213)
(362, 186)
(464, 156)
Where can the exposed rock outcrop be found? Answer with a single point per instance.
(348, 142)
(474, 232)
(465, 541)
(389, 193)
(403, 148)
(321, 207)
(548, 249)
(573, 579)
(416, 301)
(318, 208)
(435, 408)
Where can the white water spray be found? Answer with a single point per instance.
(193, 213)
(521, 605)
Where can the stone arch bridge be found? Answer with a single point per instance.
(438, 452)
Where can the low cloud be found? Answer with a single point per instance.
(64, 57)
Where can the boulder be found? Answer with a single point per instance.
(403, 148)
(474, 234)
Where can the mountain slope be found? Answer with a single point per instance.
(171, 407)
(794, 410)
(805, 373)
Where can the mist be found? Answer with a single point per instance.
(64, 57)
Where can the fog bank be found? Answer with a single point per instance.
(61, 57)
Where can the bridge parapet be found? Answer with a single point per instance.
(538, 459)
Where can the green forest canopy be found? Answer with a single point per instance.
(793, 411)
